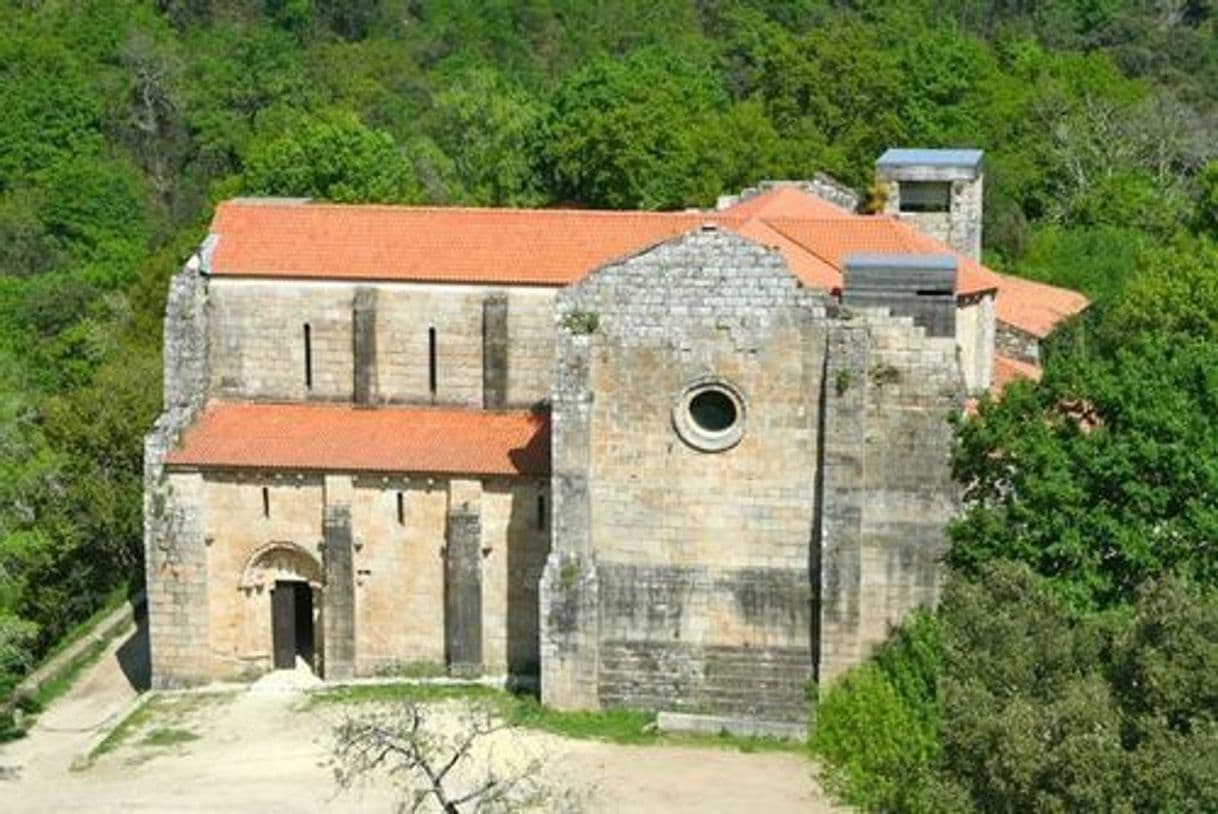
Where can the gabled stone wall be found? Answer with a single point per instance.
(721, 580)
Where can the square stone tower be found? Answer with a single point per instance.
(939, 191)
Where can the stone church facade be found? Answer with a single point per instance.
(680, 461)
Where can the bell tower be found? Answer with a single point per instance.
(939, 191)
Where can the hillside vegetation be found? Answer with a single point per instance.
(1074, 664)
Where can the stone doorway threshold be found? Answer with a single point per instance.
(301, 677)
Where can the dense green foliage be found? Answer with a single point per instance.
(1034, 705)
(1080, 629)
(1078, 636)
(1104, 476)
(123, 121)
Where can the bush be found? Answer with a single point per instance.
(878, 727)
(1011, 699)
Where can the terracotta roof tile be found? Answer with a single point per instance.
(346, 439)
(1033, 307)
(555, 247)
(833, 239)
(812, 270)
(1007, 370)
(445, 244)
(786, 200)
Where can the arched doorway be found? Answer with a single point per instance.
(292, 579)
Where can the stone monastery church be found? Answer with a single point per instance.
(682, 461)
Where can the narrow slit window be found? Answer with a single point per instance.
(266, 502)
(308, 356)
(541, 512)
(431, 360)
(401, 509)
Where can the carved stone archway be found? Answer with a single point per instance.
(280, 560)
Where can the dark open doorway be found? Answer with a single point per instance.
(292, 623)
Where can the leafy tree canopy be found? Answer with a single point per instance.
(331, 156)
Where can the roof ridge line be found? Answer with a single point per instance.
(797, 242)
(295, 203)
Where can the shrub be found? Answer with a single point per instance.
(878, 727)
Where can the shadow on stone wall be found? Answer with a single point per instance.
(133, 655)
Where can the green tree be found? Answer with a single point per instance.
(1207, 206)
(487, 126)
(1101, 478)
(645, 132)
(332, 157)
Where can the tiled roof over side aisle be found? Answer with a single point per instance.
(340, 438)
(1036, 308)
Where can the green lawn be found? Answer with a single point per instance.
(636, 727)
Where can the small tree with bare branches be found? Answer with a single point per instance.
(442, 759)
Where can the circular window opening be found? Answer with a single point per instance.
(713, 411)
(709, 415)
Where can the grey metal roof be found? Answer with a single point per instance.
(870, 260)
(905, 156)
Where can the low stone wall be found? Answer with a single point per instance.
(1017, 344)
(110, 625)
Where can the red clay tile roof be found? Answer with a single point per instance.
(554, 247)
(341, 438)
(786, 201)
(808, 267)
(831, 240)
(430, 244)
(1033, 307)
(1007, 370)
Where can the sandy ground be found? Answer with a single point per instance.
(267, 749)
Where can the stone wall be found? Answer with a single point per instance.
(674, 549)
(960, 226)
(235, 529)
(399, 572)
(975, 326)
(174, 560)
(257, 331)
(724, 581)
(1011, 341)
(887, 487)
(821, 185)
(342, 531)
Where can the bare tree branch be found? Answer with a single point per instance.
(427, 752)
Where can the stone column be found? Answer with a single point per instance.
(494, 351)
(338, 560)
(463, 579)
(842, 497)
(364, 345)
(175, 555)
(569, 592)
(178, 608)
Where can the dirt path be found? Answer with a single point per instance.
(89, 708)
(267, 749)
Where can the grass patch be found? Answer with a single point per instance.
(624, 726)
(413, 669)
(63, 681)
(627, 726)
(168, 712)
(168, 736)
(136, 720)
